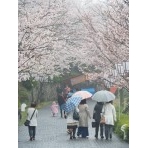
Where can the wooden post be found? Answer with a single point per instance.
(119, 102)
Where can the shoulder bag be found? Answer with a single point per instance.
(27, 122)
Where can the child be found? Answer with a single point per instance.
(54, 108)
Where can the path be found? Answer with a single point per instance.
(51, 133)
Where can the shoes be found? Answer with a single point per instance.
(31, 138)
(74, 137)
(70, 138)
(96, 137)
(102, 137)
(65, 116)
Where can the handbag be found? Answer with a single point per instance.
(76, 115)
(27, 122)
(102, 121)
(93, 124)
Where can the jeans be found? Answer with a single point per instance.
(108, 131)
(32, 131)
(97, 129)
(61, 110)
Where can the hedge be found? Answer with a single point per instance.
(124, 119)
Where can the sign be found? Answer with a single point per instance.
(77, 80)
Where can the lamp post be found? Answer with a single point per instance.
(118, 71)
(119, 101)
(121, 72)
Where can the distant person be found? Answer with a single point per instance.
(23, 106)
(83, 121)
(66, 91)
(33, 121)
(70, 93)
(61, 101)
(97, 116)
(54, 108)
(109, 113)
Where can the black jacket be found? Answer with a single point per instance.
(61, 100)
(97, 111)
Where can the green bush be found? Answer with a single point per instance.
(124, 119)
(24, 117)
(22, 94)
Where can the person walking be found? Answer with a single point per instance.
(72, 124)
(23, 106)
(83, 120)
(66, 91)
(54, 108)
(97, 116)
(61, 101)
(70, 94)
(33, 122)
(109, 112)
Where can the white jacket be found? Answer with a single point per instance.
(109, 112)
(33, 121)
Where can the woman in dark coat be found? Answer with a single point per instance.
(61, 101)
(97, 116)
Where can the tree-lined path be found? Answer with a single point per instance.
(51, 133)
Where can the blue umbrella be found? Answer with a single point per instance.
(71, 103)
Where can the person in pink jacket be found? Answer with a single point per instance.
(54, 108)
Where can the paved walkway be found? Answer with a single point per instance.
(51, 133)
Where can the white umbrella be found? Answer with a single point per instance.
(103, 96)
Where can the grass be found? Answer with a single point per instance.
(124, 119)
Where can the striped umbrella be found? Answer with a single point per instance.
(71, 103)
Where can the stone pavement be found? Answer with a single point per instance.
(51, 133)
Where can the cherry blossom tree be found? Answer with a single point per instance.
(53, 34)
(107, 25)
